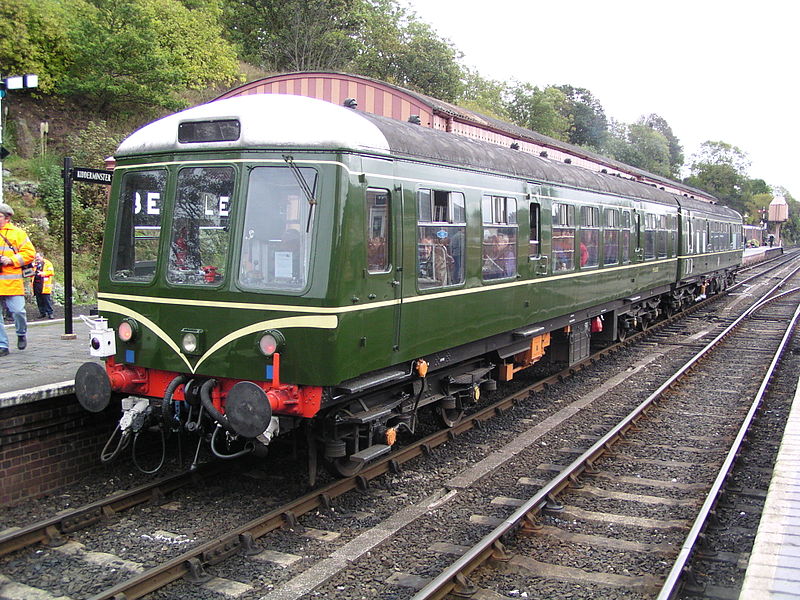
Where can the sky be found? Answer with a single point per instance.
(715, 70)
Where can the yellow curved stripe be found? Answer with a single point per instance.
(162, 335)
(310, 321)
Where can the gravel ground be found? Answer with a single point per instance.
(252, 486)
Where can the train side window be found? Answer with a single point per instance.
(563, 237)
(378, 230)
(626, 237)
(590, 233)
(534, 246)
(138, 226)
(611, 237)
(661, 236)
(649, 236)
(499, 237)
(441, 231)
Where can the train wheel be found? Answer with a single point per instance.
(344, 467)
(450, 417)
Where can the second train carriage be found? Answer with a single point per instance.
(277, 261)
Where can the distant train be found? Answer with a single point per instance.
(277, 262)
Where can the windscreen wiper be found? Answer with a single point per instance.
(301, 181)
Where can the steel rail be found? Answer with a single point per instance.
(675, 576)
(192, 562)
(456, 574)
(50, 531)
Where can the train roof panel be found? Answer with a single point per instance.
(271, 121)
(415, 141)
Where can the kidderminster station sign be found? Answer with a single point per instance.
(102, 176)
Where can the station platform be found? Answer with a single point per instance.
(46, 368)
(754, 255)
(773, 571)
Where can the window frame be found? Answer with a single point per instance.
(502, 220)
(370, 216)
(434, 259)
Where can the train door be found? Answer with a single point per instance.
(637, 250)
(383, 272)
(537, 260)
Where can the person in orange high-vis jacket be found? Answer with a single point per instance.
(16, 250)
(43, 285)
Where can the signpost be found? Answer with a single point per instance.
(84, 175)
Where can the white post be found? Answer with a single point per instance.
(2, 93)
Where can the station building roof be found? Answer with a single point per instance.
(393, 101)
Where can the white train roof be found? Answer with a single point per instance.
(267, 121)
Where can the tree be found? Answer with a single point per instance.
(295, 35)
(721, 169)
(660, 125)
(482, 95)
(34, 39)
(142, 53)
(544, 111)
(639, 146)
(589, 123)
(396, 47)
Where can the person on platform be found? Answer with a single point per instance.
(16, 251)
(43, 285)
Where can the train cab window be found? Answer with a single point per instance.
(199, 245)
(563, 237)
(441, 230)
(590, 236)
(661, 236)
(499, 237)
(138, 226)
(377, 216)
(534, 244)
(649, 236)
(611, 223)
(278, 228)
(625, 237)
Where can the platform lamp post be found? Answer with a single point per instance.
(15, 82)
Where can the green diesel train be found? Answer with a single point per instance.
(274, 262)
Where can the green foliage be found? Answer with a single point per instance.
(141, 53)
(397, 47)
(34, 39)
(639, 146)
(295, 35)
(721, 153)
(545, 111)
(660, 125)
(756, 207)
(482, 95)
(721, 169)
(51, 197)
(589, 123)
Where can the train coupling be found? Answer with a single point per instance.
(135, 412)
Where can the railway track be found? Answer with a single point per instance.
(244, 539)
(623, 533)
